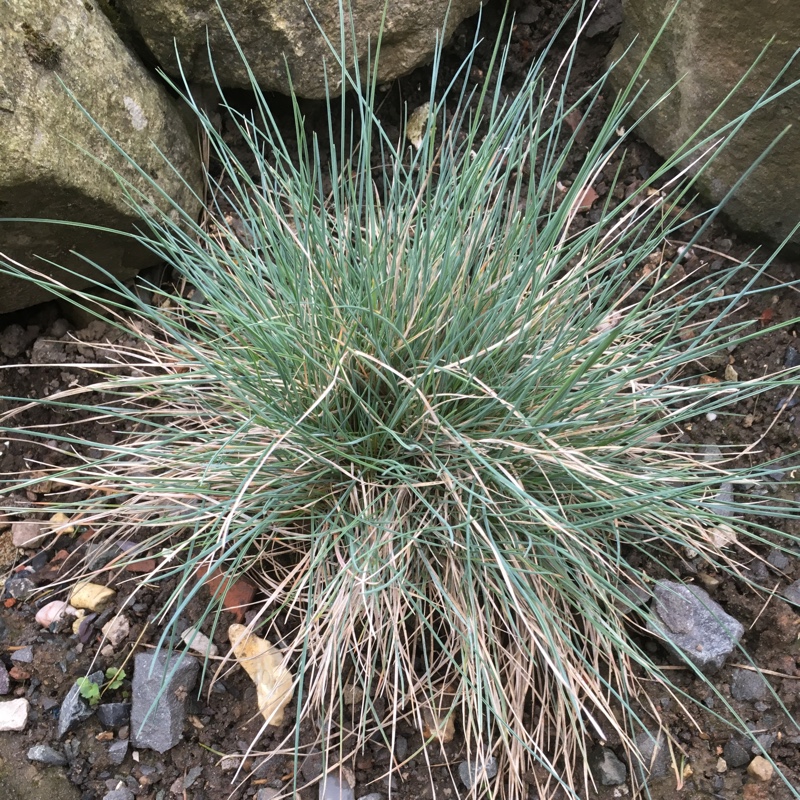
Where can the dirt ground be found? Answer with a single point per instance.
(222, 721)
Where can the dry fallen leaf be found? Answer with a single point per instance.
(722, 536)
(438, 728)
(263, 662)
(439, 722)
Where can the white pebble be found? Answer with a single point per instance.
(711, 416)
(53, 611)
(14, 715)
(116, 630)
(199, 642)
(332, 787)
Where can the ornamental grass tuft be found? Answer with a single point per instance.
(433, 411)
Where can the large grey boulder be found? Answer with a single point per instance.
(709, 45)
(43, 171)
(281, 35)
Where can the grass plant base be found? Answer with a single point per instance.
(430, 417)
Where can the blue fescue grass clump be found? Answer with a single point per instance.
(431, 416)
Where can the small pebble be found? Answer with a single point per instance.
(471, 772)
(23, 656)
(791, 358)
(778, 559)
(792, 593)
(760, 769)
(117, 751)
(199, 642)
(60, 522)
(46, 755)
(735, 754)
(91, 596)
(116, 630)
(120, 794)
(334, 787)
(114, 715)
(52, 612)
(27, 532)
(20, 587)
(748, 685)
(731, 374)
(400, 747)
(14, 714)
(722, 766)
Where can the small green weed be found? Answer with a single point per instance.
(92, 692)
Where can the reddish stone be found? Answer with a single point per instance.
(237, 597)
(19, 674)
(9, 602)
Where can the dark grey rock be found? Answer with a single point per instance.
(792, 593)
(311, 768)
(763, 743)
(693, 625)
(117, 751)
(45, 754)
(400, 747)
(5, 684)
(723, 502)
(72, 748)
(191, 776)
(114, 715)
(13, 341)
(791, 358)
(736, 754)
(654, 754)
(634, 596)
(74, 709)
(20, 587)
(476, 772)
(748, 685)
(24, 655)
(778, 559)
(161, 686)
(606, 767)
(757, 571)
